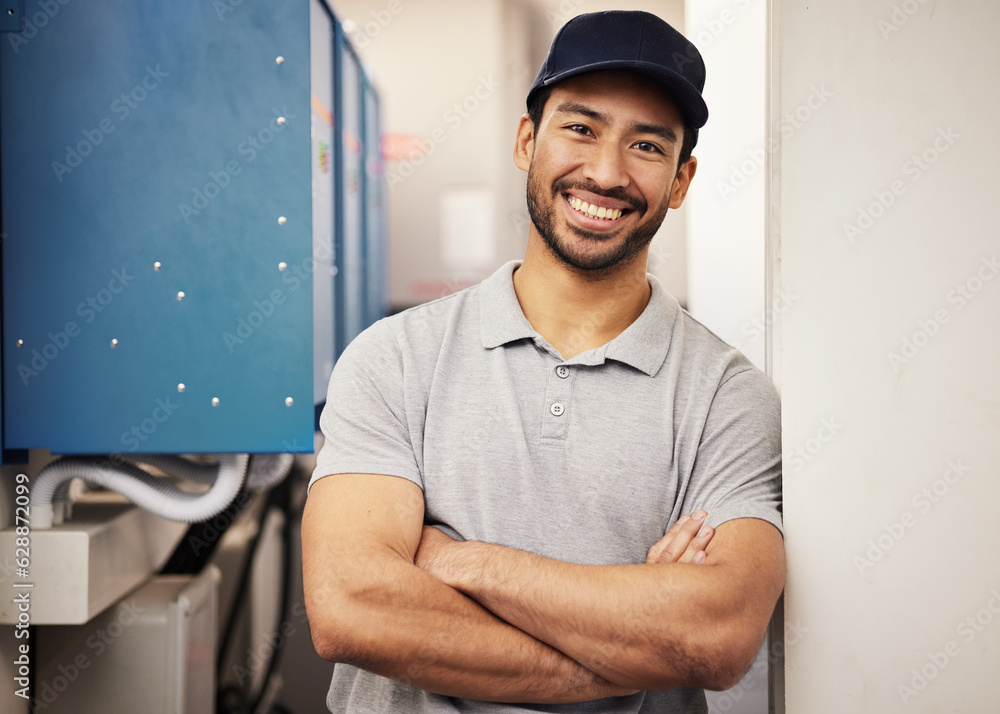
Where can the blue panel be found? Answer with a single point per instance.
(12, 17)
(340, 331)
(137, 132)
(8, 456)
(353, 270)
(375, 224)
(324, 191)
(2, 455)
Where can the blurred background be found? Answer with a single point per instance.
(203, 203)
(453, 77)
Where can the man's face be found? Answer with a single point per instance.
(602, 168)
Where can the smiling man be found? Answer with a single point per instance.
(555, 490)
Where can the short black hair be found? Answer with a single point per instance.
(536, 106)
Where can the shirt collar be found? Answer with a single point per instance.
(500, 316)
(642, 345)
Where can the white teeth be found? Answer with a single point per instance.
(608, 214)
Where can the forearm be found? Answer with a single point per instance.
(644, 626)
(598, 615)
(393, 619)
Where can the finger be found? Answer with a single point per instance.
(679, 549)
(699, 541)
(695, 552)
(675, 547)
(656, 549)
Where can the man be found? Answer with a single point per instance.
(509, 510)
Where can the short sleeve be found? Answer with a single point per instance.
(364, 421)
(737, 472)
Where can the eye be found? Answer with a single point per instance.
(579, 128)
(647, 147)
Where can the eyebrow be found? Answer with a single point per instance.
(664, 132)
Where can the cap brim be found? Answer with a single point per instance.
(684, 94)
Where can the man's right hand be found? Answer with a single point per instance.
(684, 542)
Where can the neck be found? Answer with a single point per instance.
(577, 310)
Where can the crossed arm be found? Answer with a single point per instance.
(486, 622)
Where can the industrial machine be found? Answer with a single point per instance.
(193, 229)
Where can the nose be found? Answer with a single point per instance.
(606, 165)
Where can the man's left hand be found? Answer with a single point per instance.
(684, 542)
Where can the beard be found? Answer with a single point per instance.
(543, 217)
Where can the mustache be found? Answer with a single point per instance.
(616, 194)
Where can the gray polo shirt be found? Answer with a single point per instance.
(587, 460)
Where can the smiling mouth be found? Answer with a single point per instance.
(592, 211)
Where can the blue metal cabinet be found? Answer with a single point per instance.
(377, 257)
(352, 182)
(169, 257)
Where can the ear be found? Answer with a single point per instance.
(682, 181)
(524, 143)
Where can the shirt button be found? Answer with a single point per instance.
(562, 371)
(557, 409)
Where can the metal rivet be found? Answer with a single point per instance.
(157, 265)
(20, 343)
(180, 295)
(114, 342)
(281, 121)
(279, 59)
(282, 220)
(289, 401)
(181, 387)
(282, 266)
(215, 401)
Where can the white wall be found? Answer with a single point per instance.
(726, 201)
(726, 220)
(891, 488)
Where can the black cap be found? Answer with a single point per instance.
(630, 40)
